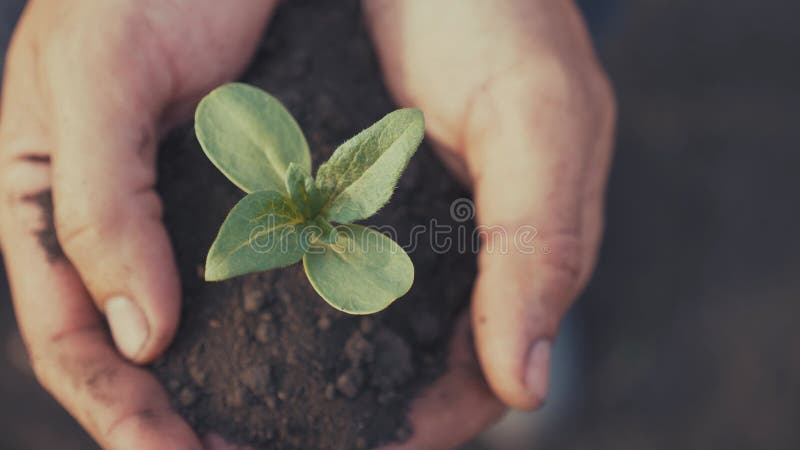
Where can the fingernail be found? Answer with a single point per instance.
(128, 325)
(538, 370)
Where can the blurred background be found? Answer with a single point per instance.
(687, 337)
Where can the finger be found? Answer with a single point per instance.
(458, 406)
(123, 407)
(107, 212)
(540, 215)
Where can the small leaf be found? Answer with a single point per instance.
(250, 137)
(261, 232)
(303, 191)
(360, 176)
(363, 273)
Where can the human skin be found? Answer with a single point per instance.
(515, 102)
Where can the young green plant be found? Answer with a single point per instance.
(288, 216)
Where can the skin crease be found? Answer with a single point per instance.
(514, 100)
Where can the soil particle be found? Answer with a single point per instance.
(256, 378)
(330, 392)
(358, 349)
(235, 397)
(283, 295)
(324, 323)
(367, 325)
(254, 294)
(173, 385)
(264, 332)
(187, 397)
(252, 302)
(198, 374)
(350, 382)
(386, 397)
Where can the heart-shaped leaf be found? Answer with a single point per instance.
(361, 174)
(250, 137)
(262, 232)
(362, 273)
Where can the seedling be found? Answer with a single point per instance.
(287, 215)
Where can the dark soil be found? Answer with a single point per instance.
(262, 359)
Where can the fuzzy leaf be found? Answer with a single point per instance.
(363, 273)
(250, 137)
(361, 174)
(303, 191)
(261, 232)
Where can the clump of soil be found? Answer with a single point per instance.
(262, 359)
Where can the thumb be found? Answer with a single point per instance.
(539, 206)
(107, 212)
(530, 269)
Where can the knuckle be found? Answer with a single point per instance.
(11, 192)
(58, 367)
(8, 189)
(571, 83)
(23, 189)
(583, 88)
(7, 184)
(563, 90)
(84, 222)
(88, 221)
(552, 275)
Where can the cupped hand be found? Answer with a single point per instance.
(88, 86)
(514, 100)
(520, 110)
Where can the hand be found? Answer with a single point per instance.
(520, 110)
(87, 85)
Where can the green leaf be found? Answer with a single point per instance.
(250, 137)
(261, 232)
(361, 174)
(303, 191)
(363, 273)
